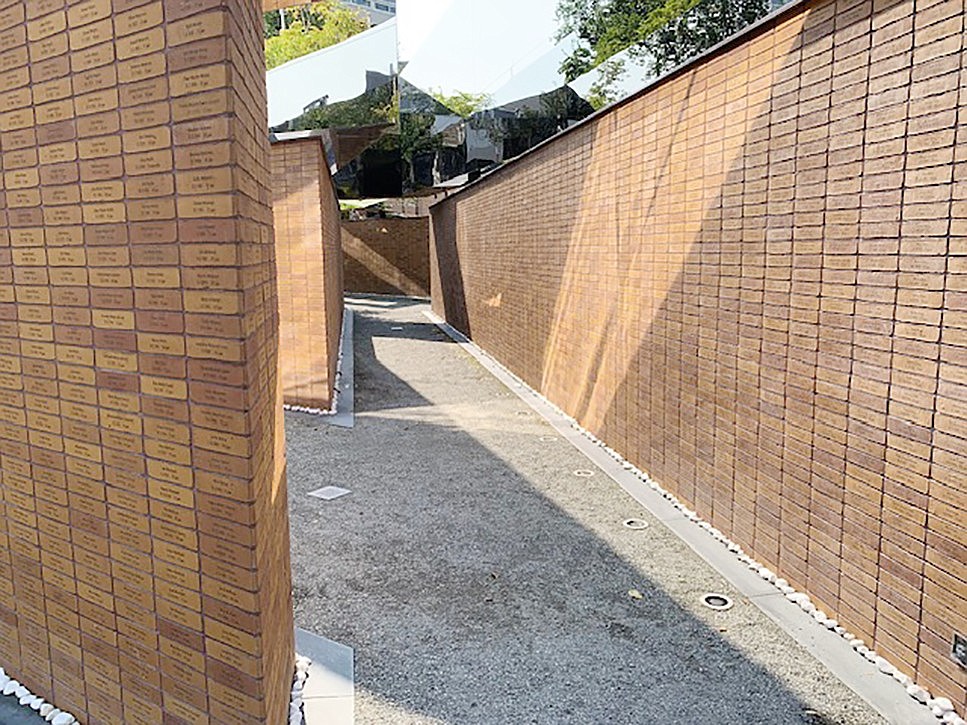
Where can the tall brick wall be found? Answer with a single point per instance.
(387, 256)
(751, 280)
(307, 238)
(144, 568)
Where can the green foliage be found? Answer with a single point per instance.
(462, 103)
(309, 28)
(664, 33)
(380, 105)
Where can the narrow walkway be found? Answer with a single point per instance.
(480, 579)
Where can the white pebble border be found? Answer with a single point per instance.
(296, 713)
(26, 698)
(334, 406)
(941, 707)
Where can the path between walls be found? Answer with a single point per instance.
(482, 576)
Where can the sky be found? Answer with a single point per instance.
(480, 46)
(504, 49)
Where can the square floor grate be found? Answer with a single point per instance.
(329, 493)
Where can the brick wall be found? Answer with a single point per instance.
(387, 256)
(144, 568)
(310, 271)
(751, 280)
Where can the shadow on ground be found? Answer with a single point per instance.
(481, 581)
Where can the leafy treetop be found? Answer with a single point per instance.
(663, 33)
(298, 31)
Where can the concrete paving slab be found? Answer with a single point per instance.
(13, 713)
(480, 581)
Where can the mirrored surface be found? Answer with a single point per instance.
(439, 91)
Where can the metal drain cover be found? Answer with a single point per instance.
(636, 524)
(718, 602)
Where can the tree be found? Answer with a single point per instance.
(309, 28)
(462, 104)
(662, 33)
(379, 105)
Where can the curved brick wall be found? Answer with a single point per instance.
(307, 241)
(751, 281)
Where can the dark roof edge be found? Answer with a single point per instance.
(743, 35)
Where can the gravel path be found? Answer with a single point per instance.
(481, 581)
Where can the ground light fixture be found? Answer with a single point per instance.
(718, 602)
(635, 524)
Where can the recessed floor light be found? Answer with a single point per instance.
(636, 524)
(583, 473)
(329, 493)
(718, 602)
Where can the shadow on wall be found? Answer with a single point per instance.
(744, 294)
(471, 596)
(387, 256)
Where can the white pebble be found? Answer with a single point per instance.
(902, 678)
(884, 666)
(862, 649)
(46, 709)
(808, 607)
(36, 703)
(819, 615)
(949, 717)
(871, 656)
(21, 691)
(26, 699)
(52, 714)
(918, 693)
(831, 624)
(780, 582)
(958, 721)
(10, 687)
(943, 703)
(3, 681)
(65, 718)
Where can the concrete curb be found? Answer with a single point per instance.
(329, 694)
(344, 415)
(883, 693)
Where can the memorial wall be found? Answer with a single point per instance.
(144, 566)
(387, 256)
(310, 264)
(749, 280)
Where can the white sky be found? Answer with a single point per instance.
(479, 46)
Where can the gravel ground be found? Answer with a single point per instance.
(481, 581)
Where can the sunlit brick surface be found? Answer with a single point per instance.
(143, 532)
(307, 241)
(387, 256)
(751, 280)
